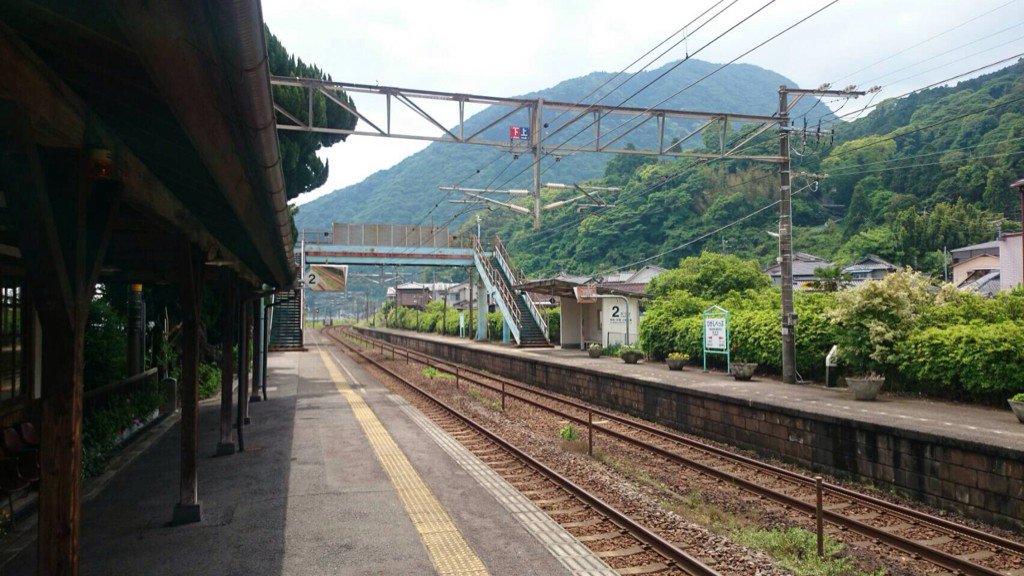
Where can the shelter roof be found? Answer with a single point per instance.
(179, 93)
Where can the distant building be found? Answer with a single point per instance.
(974, 250)
(990, 266)
(417, 295)
(969, 270)
(870, 267)
(805, 268)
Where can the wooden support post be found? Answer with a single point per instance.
(226, 445)
(63, 237)
(190, 289)
(254, 315)
(243, 355)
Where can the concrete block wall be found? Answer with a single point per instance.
(983, 482)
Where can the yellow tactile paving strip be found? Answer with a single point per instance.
(448, 550)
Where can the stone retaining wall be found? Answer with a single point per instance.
(980, 481)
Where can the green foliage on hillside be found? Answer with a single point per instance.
(303, 170)
(916, 175)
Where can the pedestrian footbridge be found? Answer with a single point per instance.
(394, 245)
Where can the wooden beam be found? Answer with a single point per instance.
(189, 508)
(228, 311)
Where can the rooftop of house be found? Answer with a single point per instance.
(804, 264)
(870, 263)
(992, 245)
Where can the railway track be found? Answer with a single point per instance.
(951, 546)
(627, 546)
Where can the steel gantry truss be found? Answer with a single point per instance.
(477, 196)
(602, 125)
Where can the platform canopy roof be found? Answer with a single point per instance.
(178, 92)
(562, 285)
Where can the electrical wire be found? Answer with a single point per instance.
(616, 75)
(925, 41)
(673, 67)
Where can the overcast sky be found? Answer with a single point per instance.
(510, 47)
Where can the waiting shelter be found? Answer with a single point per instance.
(137, 144)
(593, 310)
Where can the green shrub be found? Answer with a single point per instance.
(875, 316)
(554, 318)
(101, 428)
(678, 356)
(711, 275)
(494, 322)
(209, 380)
(1019, 397)
(967, 362)
(569, 433)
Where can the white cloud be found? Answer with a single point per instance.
(509, 47)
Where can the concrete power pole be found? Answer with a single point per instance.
(786, 221)
(786, 244)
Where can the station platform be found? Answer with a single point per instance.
(977, 424)
(339, 476)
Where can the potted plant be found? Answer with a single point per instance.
(594, 350)
(1017, 405)
(741, 370)
(630, 354)
(676, 360)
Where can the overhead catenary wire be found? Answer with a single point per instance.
(688, 57)
(685, 37)
(926, 40)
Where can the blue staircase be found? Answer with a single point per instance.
(500, 276)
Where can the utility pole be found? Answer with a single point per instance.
(786, 220)
(538, 131)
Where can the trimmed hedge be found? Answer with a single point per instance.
(966, 362)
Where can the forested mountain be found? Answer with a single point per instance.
(401, 194)
(915, 175)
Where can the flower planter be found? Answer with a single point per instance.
(865, 388)
(631, 357)
(1018, 409)
(594, 352)
(675, 363)
(742, 370)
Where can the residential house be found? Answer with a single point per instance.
(870, 267)
(805, 268)
(990, 266)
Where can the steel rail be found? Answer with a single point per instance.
(669, 551)
(933, 555)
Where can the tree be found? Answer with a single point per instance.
(711, 276)
(303, 170)
(830, 279)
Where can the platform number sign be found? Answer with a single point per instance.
(716, 334)
(518, 133)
